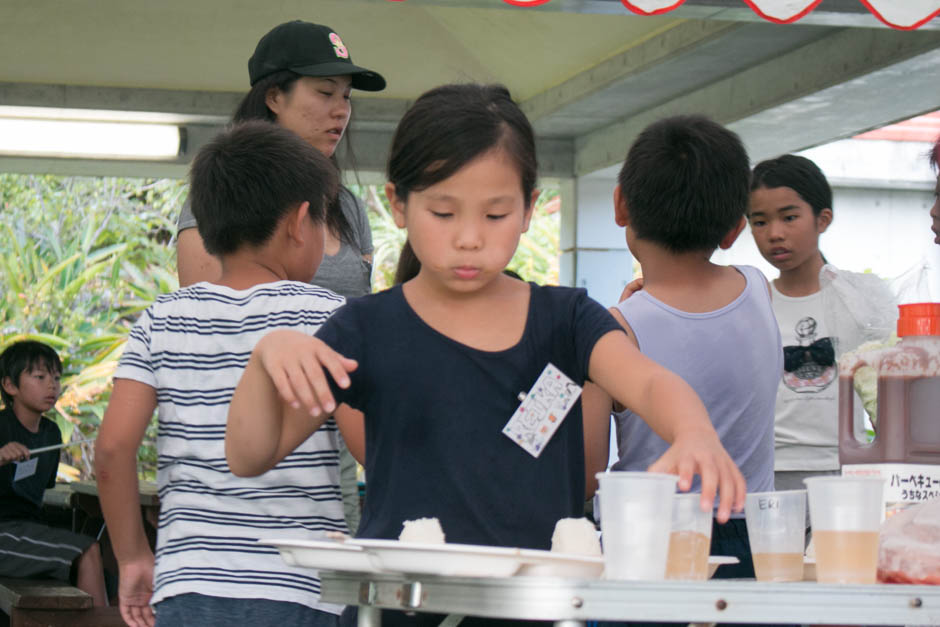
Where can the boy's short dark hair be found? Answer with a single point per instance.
(248, 177)
(799, 174)
(685, 183)
(23, 356)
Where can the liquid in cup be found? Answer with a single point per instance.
(846, 556)
(776, 528)
(778, 566)
(636, 510)
(690, 539)
(846, 514)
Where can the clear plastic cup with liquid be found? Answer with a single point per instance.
(636, 510)
(776, 528)
(845, 514)
(690, 539)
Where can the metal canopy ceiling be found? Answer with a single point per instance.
(589, 74)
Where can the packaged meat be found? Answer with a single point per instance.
(909, 550)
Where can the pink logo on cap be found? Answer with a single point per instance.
(338, 46)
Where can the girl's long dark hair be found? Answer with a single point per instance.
(254, 107)
(450, 126)
(447, 128)
(408, 264)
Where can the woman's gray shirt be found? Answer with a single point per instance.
(346, 272)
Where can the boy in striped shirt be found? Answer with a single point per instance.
(259, 194)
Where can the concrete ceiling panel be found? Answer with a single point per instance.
(589, 73)
(204, 46)
(843, 56)
(684, 69)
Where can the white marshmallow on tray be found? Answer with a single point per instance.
(576, 536)
(422, 531)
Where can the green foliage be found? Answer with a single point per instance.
(79, 259)
(387, 238)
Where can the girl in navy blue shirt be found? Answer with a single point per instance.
(425, 375)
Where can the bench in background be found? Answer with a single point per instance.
(45, 603)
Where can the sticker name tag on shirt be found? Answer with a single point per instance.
(542, 410)
(26, 469)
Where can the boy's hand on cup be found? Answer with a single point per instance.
(296, 363)
(13, 452)
(704, 455)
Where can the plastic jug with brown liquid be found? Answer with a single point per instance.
(908, 425)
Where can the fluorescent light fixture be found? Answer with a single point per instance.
(34, 137)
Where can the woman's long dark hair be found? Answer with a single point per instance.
(254, 106)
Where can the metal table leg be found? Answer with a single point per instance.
(370, 616)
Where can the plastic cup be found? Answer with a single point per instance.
(846, 513)
(776, 528)
(636, 510)
(690, 539)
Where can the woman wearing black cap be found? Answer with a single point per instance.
(301, 76)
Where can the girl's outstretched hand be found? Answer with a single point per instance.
(295, 362)
(702, 453)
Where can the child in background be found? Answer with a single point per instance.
(259, 194)
(438, 363)
(681, 194)
(29, 376)
(822, 312)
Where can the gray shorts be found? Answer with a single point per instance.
(200, 610)
(32, 550)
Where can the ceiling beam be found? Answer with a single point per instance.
(130, 104)
(167, 105)
(682, 58)
(676, 41)
(862, 59)
(370, 147)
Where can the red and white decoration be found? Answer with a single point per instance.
(905, 14)
(782, 11)
(902, 14)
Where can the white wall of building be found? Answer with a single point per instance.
(594, 250)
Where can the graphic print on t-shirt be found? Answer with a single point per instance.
(809, 366)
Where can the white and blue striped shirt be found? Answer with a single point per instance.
(191, 346)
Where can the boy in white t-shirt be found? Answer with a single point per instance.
(822, 312)
(259, 194)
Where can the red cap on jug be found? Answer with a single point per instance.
(919, 319)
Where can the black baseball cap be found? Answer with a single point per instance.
(311, 50)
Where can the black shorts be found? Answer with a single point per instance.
(31, 550)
